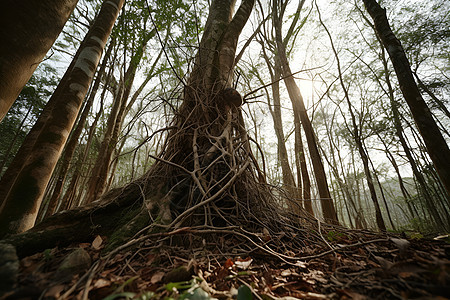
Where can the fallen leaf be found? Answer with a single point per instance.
(97, 243)
(401, 244)
(84, 245)
(101, 283)
(243, 264)
(384, 263)
(229, 263)
(301, 264)
(266, 234)
(157, 277)
(54, 291)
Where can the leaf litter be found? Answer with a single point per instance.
(362, 265)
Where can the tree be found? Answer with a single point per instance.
(355, 132)
(206, 166)
(20, 208)
(28, 41)
(436, 145)
(24, 112)
(296, 97)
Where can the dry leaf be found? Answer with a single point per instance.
(54, 291)
(101, 283)
(243, 264)
(384, 263)
(157, 277)
(401, 244)
(301, 264)
(228, 264)
(266, 234)
(97, 243)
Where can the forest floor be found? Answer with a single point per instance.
(357, 265)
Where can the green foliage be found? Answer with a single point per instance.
(334, 236)
(244, 293)
(25, 112)
(187, 290)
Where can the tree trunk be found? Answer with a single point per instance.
(302, 169)
(409, 155)
(73, 141)
(205, 174)
(355, 133)
(275, 111)
(388, 212)
(329, 212)
(24, 199)
(435, 143)
(100, 171)
(28, 30)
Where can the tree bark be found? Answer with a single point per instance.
(24, 199)
(275, 111)
(100, 171)
(328, 209)
(27, 30)
(409, 155)
(356, 135)
(73, 141)
(302, 169)
(435, 143)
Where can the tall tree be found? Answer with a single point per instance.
(296, 97)
(436, 145)
(101, 168)
(73, 141)
(355, 131)
(205, 162)
(31, 28)
(22, 203)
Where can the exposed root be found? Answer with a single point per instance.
(205, 194)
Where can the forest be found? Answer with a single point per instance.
(223, 149)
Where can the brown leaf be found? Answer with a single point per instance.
(243, 264)
(101, 283)
(266, 234)
(384, 263)
(157, 277)
(97, 243)
(54, 291)
(401, 244)
(229, 263)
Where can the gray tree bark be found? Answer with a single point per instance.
(27, 30)
(25, 196)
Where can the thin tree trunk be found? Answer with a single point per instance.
(73, 141)
(435, 143)
(356, 136)
(302, 169)
(328, 209)
(101, 168)
(388, 212)
(11, 145)
(401, 183)
(400, 134)
(24, 199)
(275, 111)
